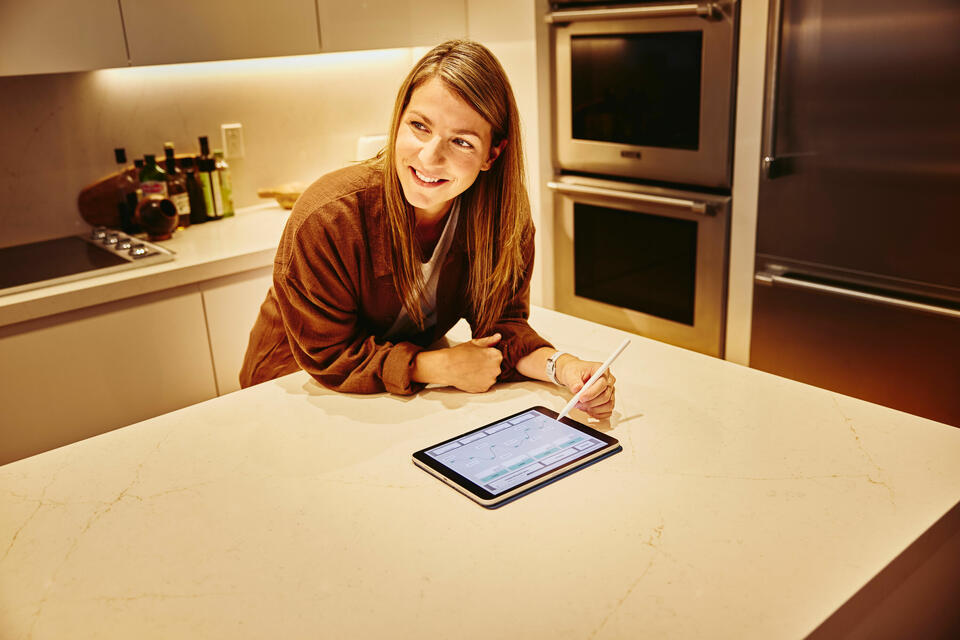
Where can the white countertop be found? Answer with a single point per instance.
(218, 248)
(743, 505)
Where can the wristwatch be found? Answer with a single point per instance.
(552, 366)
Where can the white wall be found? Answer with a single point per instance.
(506, 27)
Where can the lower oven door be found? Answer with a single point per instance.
(643, 259)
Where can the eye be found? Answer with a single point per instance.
(419, 126)
(460, 142)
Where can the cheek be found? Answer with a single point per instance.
(407, 144)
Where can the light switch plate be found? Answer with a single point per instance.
(232, 135)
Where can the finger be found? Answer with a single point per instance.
(603, 411)
(487, 341)
(599, 400)
(594, 389)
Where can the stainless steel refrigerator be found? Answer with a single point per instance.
(857, 285)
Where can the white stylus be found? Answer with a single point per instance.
(596, 374)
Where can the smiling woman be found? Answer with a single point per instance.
(379, 260)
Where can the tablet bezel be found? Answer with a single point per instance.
(484, 497)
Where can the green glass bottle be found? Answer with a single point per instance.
(207, 172)
(153, 179)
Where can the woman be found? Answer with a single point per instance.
(381, 259)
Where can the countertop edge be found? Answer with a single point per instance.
(146, 283)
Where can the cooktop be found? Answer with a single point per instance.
(50, 262)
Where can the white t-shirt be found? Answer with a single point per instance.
(404, 325)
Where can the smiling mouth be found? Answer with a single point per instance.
(425, 180)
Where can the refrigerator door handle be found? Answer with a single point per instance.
(774, 29)
(772, 278)
(693, 206)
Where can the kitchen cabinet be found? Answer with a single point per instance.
(78, 374)
(54, 36)
(381, 24)
(190, 31)
(231, 305)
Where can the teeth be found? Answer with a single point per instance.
(425, 178)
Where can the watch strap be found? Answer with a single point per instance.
(552, 367)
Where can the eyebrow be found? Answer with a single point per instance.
(459, 132)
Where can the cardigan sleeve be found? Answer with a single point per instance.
(316, 282)
(518, 337)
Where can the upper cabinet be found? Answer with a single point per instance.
(53, 36)
(50, 36)
(193, 31)
(382, 24)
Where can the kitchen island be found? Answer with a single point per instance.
(743, 505)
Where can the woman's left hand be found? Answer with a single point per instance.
(597, 401)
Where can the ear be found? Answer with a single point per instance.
(494, 154)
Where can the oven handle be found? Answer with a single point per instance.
(708, 10)
(772, 279)
(693, 206)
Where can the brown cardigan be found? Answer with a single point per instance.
(333, 296)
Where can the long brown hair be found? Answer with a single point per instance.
(495, 209)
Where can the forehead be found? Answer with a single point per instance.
(445, 109)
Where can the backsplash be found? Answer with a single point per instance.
(301, 117)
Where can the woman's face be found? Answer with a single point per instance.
(442, 145)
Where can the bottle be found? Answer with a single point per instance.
(126, 193)
(198, 208)
(137, 168)
(207, 171)
(177, 186)
(153, 179)
(226, 183)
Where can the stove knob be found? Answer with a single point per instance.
(111, 239)
(138, 249)
(98, 233)
(123, 243)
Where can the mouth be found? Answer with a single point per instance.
(425, 180)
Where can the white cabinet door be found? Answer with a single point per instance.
(198, 30)
(85, 372)
(232, 305)
(52, 36)
(382, 24)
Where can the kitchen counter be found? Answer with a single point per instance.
(743, 505)
(246, 241)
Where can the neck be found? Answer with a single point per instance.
(429, 218)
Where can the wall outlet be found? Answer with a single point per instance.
(232, 135)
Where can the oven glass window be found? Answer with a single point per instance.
(639, 89)
(635, 260)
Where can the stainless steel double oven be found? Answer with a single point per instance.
(643, 130)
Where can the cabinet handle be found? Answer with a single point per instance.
(771, 279)
(701, 208)
(708, 10)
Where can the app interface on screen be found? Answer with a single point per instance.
(508, 453)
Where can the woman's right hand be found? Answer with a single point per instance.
(472, 366)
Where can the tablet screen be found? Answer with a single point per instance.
(505, 454)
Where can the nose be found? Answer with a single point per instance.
(431, 154)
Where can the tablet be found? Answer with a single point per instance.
(503, 460)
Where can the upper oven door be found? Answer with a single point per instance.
(646, 91)
(643, 259)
